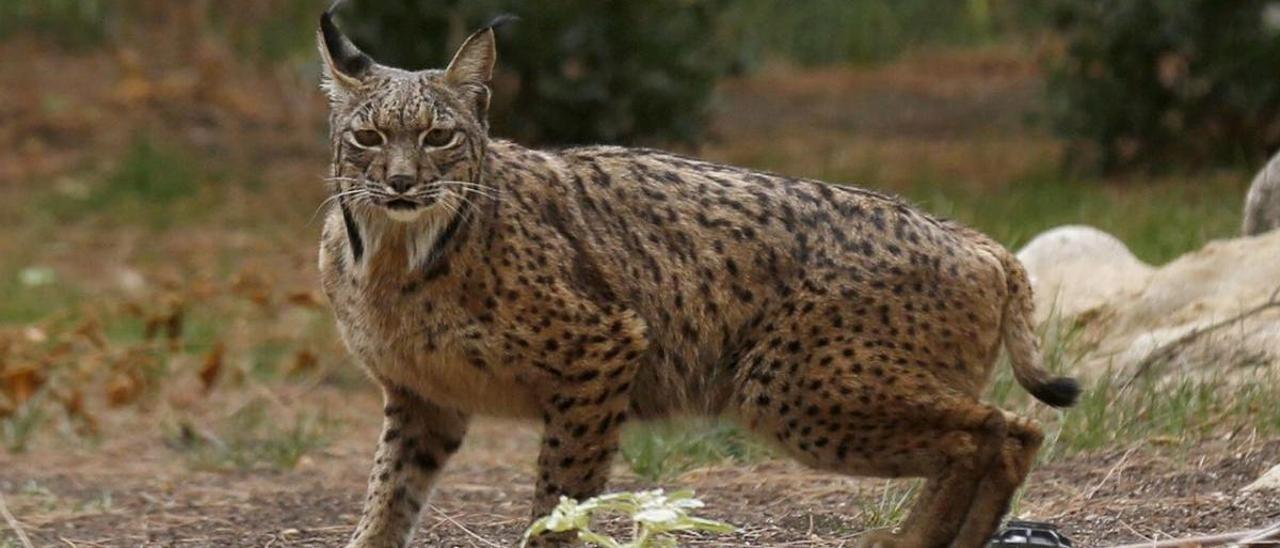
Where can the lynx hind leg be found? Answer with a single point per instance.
(953, 459)
(1003, 478)
(878, 418)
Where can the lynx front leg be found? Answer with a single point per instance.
(578, 444)
(417, 438)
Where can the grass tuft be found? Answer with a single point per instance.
(18, 429)
(891, 506)
(147, 184)
(666, 449)
(252, 438)
(1113, 411)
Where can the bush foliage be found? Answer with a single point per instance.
(1151, 83)
(627, 71)
(571, 71)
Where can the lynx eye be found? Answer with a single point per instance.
(367, 138)
(439, 137)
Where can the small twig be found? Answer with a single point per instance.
(1271, 533)
(1135, 531)
(1123, 459)
(1166, 351)
(1237, 538)
(464, 529)
(14, 525)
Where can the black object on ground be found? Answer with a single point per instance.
(1029, 534)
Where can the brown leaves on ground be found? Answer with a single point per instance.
(127, 354)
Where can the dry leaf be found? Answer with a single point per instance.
(173, 325)
(21, 383)
(305, 299)
(253, 286)
(212, 366)
(91, 330)
(152, 327)
(123, 389)
(303, 361)
(73, 403)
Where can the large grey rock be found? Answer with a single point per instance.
(1128, 309)
(1269, 481)
(1077, 268)
(1262, 205)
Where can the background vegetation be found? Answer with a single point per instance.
(160, 164)
(1159, 84)
(632, 71)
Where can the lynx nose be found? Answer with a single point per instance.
(401, 183)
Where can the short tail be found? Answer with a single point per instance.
(1020, 340)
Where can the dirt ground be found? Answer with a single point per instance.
(129, 485)
(136, 491)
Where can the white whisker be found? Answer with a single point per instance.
(331, 199)
(472, 188)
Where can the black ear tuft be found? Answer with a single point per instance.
(497, 22)
(346, 58)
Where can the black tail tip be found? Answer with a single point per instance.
(1058, 392)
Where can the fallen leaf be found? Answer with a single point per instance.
(21, 383)
(212, 366)
(303, 361)
(122, 389)
(305, 299)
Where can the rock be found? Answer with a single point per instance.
(1262, 206)
(1128, 309)
(1269, 481)
(1077, 268)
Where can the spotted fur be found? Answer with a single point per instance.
(587, 287)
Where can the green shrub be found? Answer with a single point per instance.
(72, 23)
(584, 70)
(1153, 83)
(816, 32)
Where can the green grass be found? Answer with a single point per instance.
(22, 303)
(891, 506)
(17, 430)
(663, 450)
(1116, 411)
(254, 437)
(1159, 220)
(861, 31)
(154, 183)
(1176, 411)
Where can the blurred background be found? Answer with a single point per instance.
(161, 164)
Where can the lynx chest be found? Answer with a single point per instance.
(428, 343)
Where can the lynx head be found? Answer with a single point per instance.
(407, 146)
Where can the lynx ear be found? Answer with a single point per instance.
(473, 63)
(472, 66)
(345, 65)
